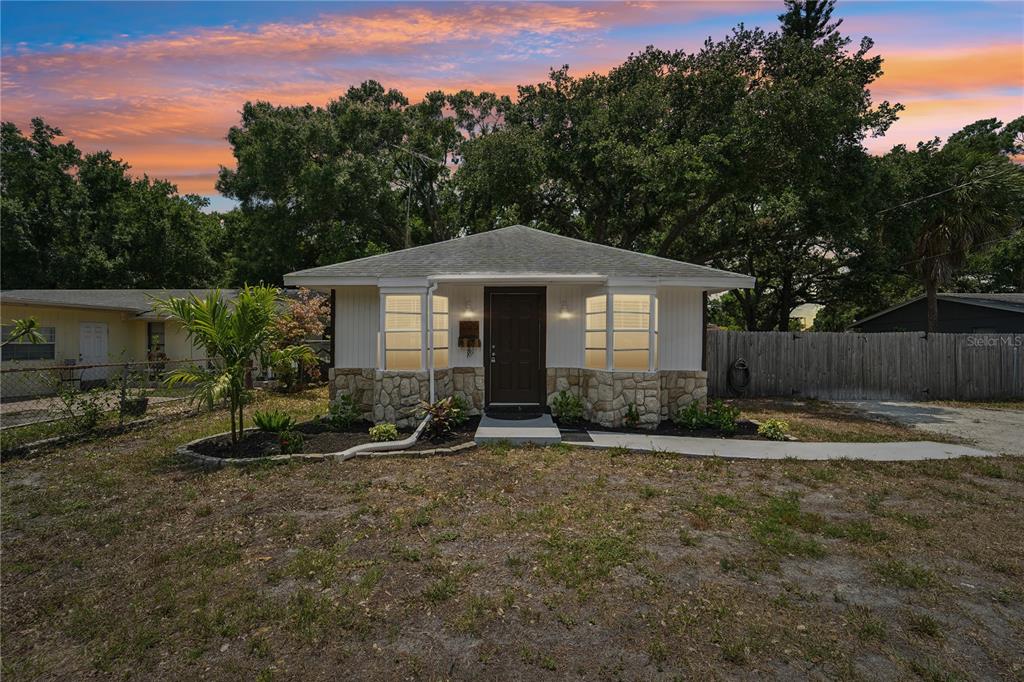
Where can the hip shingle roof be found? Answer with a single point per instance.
(515, 250)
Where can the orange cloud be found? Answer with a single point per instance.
(164, 103)
(940, 117)
(952, 70)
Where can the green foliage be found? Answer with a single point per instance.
(343, 412)
(461, 405)
(233, 335)
(632, 416)
(718, 416)
(383, 432)
(773, 429)
(444, 414)
(273, 421)
(83, 221)
(568, 407)
(323, 184)
(291, 441)
(951, 201)
(81, 410)
(24, 331)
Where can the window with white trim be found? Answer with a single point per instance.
(403, 331)
(440, 311)
(631, 332)
(24, 349)
(596, 344)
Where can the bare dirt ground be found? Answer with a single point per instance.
(997, 427)
(549, 563)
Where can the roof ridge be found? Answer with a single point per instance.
(622, 250)
(414, 248)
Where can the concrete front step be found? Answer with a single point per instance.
(539, 431)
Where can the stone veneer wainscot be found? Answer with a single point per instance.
(389, 396)
(607, 395)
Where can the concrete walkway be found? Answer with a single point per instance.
(761, 449)
(998, 430)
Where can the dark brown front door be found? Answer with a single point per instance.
(514, 361)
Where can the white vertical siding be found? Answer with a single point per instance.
(680, 336)
(564, 346)
(358, 316)
(458, 296)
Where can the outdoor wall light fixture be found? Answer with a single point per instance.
(467, 309)
(563, 311)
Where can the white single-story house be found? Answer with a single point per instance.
(90, 327)
(508, 318)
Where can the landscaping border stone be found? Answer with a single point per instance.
(208, 462)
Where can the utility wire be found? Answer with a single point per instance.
(941, 191)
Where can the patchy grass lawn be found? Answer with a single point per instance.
(822, 421)
(120, 561)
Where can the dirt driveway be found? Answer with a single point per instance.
(1000, 430)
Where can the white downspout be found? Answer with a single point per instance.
(430, 337)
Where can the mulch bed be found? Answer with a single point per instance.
(321, 437)
(745, 430)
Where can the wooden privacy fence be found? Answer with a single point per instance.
(848, 366)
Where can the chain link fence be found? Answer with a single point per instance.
(84, 395)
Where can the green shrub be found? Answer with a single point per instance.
(568, 407)
(273, 421)
(343, 412)
(83, 410)
(632, 416)
(291, 441)
(459, 402)
(445, 415)
(689, 417)
(773, 429)
(383, 432)
(717, 416)
(722, 417)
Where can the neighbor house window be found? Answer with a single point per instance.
(403, 331)
(596, 346)
(440, 308)
(157, 334)
(631, 332)
(22, 349)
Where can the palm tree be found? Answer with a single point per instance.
(975, 209)
(27, 329)
(233, 334)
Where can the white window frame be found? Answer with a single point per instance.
(447, 330)
(382, 353)
(609, 324)
(48, 332)
(424, 329)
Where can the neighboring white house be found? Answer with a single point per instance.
(508, 318)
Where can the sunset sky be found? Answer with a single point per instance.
(160, 83)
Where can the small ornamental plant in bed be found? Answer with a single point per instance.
(773, 429)
(381, 433)
(343, 412)
(445, 415)
(567, 408)
(718, 418)
(282, 424)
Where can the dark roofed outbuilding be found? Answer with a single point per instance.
(959, 313)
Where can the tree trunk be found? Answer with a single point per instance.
(241, 426)
(932, 291)
(234, 435)
(785, 303)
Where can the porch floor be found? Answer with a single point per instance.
(539, 430)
